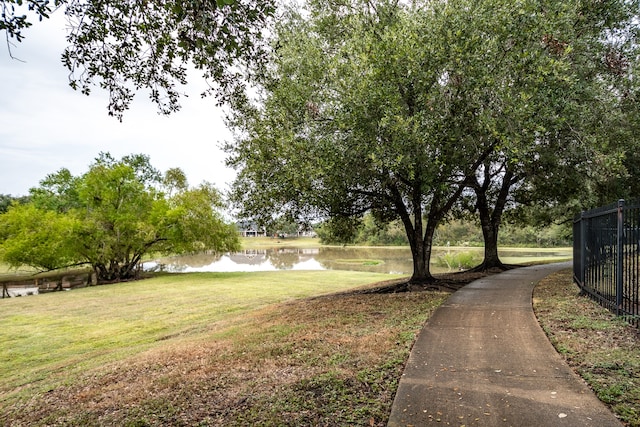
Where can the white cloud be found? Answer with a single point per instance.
(45, 125)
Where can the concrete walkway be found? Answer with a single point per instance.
(483, 360)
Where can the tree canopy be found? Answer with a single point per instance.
(124, 46)
(398, 109)
(110, 217)
(574, 115)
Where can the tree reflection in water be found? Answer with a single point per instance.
(380, 260)
(395, 260)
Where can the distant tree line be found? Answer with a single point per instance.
(453, 233)
(6, 200)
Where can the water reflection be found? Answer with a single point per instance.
(396, 260)
(381, 260)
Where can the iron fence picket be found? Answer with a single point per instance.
(606, 257)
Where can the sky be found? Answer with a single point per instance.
(45, 125)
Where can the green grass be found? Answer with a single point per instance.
(599, 346)
(47, 339)
(543, 255)
(210, 349)
(357, 261)
(273, 242)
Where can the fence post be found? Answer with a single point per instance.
(583, 250)
(620, 257)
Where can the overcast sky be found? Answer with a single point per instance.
(45, 125)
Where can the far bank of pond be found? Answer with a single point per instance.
(392, 260)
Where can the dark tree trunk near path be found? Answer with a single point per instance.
(420, 235)
(490, 234)
(420, 246)
(491, 218)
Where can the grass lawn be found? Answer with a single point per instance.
(206, 348)
(272, 242)
(522, 256)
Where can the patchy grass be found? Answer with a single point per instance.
(48, 338)
(208, 349)
(603, 349)
(529, 256)
(356, 261)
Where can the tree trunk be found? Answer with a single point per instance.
(421, 247)
(490, 235)
(490, 220)
(421, 255)
(422, 271)
(115, 272)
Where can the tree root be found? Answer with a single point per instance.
(494, 267)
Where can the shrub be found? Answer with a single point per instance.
(458, 260)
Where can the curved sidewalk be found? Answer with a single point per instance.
(483, 360)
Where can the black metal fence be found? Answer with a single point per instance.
(606, 257)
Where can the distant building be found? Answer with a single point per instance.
(250, 229)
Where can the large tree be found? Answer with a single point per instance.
(581, 122)
(124, 46)
(110, 217)
(394, 109)
(371, 107)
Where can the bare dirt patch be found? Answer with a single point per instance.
(449, 282)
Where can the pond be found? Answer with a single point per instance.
(392, 260)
